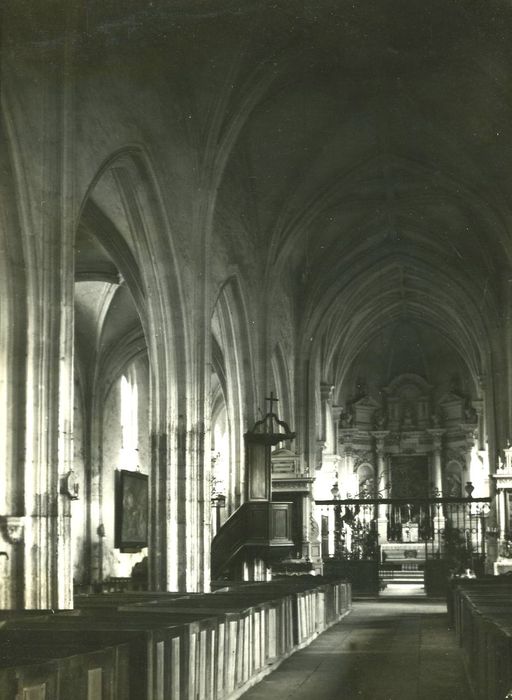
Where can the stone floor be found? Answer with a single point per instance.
(383, 650)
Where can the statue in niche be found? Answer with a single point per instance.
(455, 384)
(367, 487)
(346, 419)
(408, 419)
(436, 420)
(361, 387)
(452, 486)
(470, 415)
(380, 419)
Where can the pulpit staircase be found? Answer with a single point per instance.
(260, 530)
(255, 531)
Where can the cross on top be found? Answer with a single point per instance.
(272, 400)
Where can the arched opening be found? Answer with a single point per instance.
(112, 431)
(220, 439)
(129, 323)
(232, 398)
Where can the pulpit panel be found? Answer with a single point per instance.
(258, 472)
(281, 521)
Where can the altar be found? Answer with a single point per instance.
(410, 532)
(408, 554)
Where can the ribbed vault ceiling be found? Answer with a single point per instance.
(379, 166)
(364, 148)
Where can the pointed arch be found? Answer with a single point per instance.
(282, 383)
(230, 329)
(144, 254)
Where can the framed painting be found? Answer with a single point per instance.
(131, 510)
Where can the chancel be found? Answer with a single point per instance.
(256, 349)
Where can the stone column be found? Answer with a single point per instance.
(325, 440)
(437, 468)
(43, 151)
(380, 482)
(346, 471)
(479, 408)
(13, 351)
(502, 513)
(437, 474)
(336, 415)
(503, 479)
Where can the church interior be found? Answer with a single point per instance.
(256, 336)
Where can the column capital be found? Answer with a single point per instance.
(336, 412)
(436, 435)
(380, 436)
(347, 435)
(470, 431)
(326, 389)
(13, 527)
(436, 432)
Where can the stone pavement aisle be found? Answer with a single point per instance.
(383, 650)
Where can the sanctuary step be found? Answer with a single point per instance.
(415, 575)
(406, 553)
(402, 577)
(151, 646)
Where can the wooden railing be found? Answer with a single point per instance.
(255, 530)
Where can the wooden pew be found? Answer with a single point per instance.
(174, 646)
(40, 671)
(482, 615)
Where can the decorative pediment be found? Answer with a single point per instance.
(366, 402)
(363, 410)
(408, 402)
(450, 397)
(400, 384)
(284, 462)
(283, 453)
(452, 406)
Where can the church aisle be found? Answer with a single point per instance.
(383, 650)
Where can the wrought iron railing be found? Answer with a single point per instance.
(452, 529)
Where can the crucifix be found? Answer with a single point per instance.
(267, 433)
(272, 400)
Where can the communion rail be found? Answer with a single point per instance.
(363, 539)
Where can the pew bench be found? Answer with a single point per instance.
(482, 615)
(43, 670)
(167, 646)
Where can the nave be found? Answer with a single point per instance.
(255, 347)
(393, 650)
